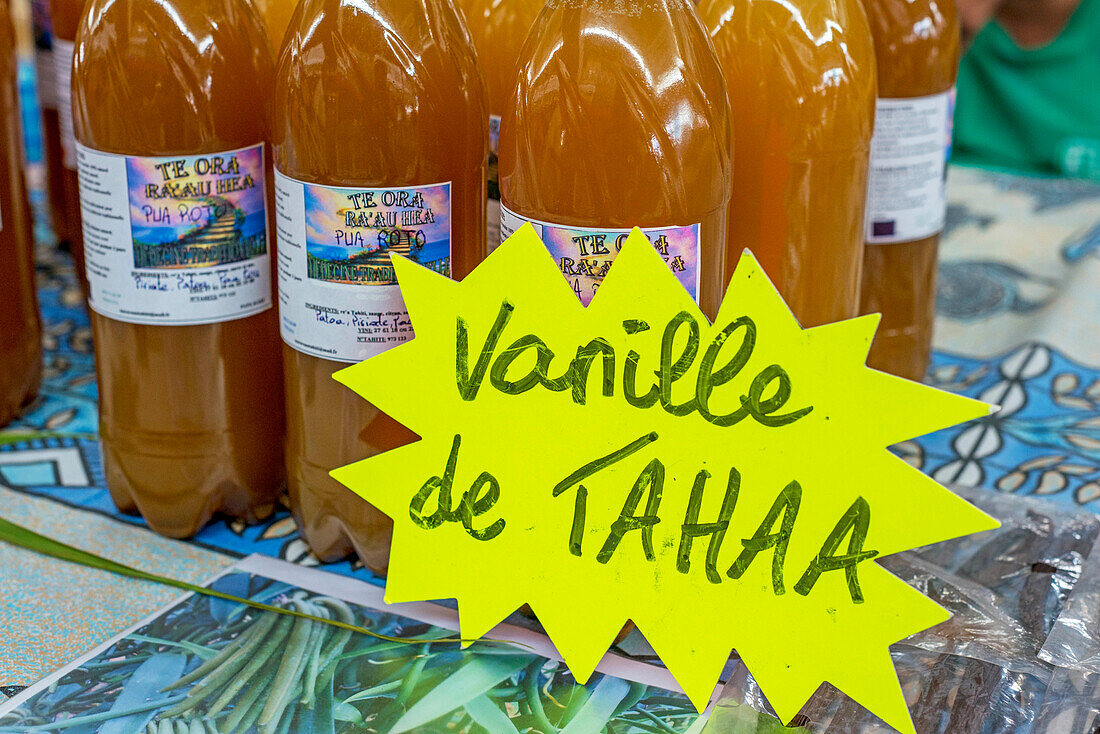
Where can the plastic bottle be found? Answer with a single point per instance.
(801, 79)
(620, 119)
(46, 74)
(917, 42)
(170, 99)
(65, 17)
(276, 15)
(498, 29)
(379, 109)
(20, 328)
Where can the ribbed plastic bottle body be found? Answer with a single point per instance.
(191, 415)
(918, 46)
(379, 99)
(20, 327)
(620, 119)
(801, 79)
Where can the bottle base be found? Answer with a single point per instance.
(23, 395)
(903, 353)
(178, 495)
(331, 540)
(337, 523)
(14, 409)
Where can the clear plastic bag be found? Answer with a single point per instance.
(1006, 588)
(1074, 641)
(947, 694)
(1071, 704)
(1024, 599)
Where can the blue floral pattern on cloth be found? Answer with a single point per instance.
(1045, 441)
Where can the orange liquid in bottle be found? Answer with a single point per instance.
(20, 328)
(46, 72)
(276, 15)
(620, 119)
(65, 17)
(498, 29)
(375, 100)
(170, 101)
(801, 79)
(918, 49)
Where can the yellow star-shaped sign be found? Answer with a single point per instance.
(723, 486)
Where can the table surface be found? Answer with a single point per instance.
(1018, 324)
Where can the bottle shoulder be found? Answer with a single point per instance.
(803, 73)
(380, 56)
(822, 49)
(155, 77)
(203, 32)
(617, 110)
(400, 90)
(918, 46)
(661, 68)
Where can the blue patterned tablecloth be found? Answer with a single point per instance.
(1019, 326)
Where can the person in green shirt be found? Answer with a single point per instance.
(1029, 87)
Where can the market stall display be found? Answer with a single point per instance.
(384, 140)
(174, 185)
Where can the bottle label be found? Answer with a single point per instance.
(585, 254)
(338, 293)
(907, 196)
(493, 211)
(176, 240)
(63, 65)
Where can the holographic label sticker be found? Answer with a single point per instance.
(176, 240)
(338, 294)
(584, 255)
(198, 211)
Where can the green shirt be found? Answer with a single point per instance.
(1033, 110)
